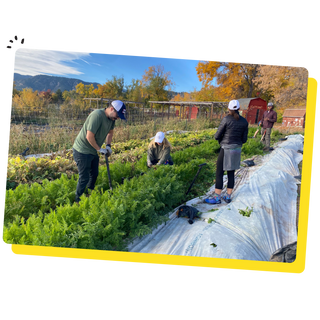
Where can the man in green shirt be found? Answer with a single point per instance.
(97, 129)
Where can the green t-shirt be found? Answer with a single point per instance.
(100, 125)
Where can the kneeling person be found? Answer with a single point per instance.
(159, 151)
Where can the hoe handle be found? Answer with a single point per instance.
(194, 179)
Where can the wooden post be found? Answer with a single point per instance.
(189, 116)
(168, 111)
(162, 112)
(211, 112)
(143, 113)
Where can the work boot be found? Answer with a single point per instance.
(215, 199)
(266, 149)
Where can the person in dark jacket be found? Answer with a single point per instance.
(231, 135)
(268, 119)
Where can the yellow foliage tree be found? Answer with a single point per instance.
(233, 80)
(85, 91)
(286, 86)
(28, 101)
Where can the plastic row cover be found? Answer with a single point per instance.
(268, 189)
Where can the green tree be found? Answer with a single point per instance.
(59, 96)
(135, 91)
(112, 89)
(156, 83)
(15, 91)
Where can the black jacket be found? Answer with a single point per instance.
(232, 131)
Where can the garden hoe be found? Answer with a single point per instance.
(109, 177)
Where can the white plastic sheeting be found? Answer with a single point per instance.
(269, 187)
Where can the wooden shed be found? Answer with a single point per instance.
(294, 118)
(252, 109)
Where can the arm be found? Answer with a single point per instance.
(150, 157)
(109, 137)
(245, 135)
(221, 130)
(92, 140)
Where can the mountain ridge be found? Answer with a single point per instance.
(53, 83)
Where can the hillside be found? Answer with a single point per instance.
(44, 82)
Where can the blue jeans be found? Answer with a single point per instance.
(88, 167)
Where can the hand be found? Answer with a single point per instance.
(109, 151)
(106, 151)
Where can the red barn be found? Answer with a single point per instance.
(294, 118)
(252, 109)
(185, 114)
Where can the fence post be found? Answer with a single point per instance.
(162, 112)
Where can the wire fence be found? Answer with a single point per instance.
(136, 113)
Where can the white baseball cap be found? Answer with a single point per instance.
(120, 107)
(159, 137)
(234, 105)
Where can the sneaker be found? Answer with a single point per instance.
(227, 198)
(213, 200)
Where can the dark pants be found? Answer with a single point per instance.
(167, 162)
(88, 167)
(220, 172)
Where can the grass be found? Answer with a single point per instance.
(53, 137)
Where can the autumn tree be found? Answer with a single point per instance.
(233, 80)
(85, 91)
(112, 89)
(46, 96)
(156, 83)
(28, 101)
(57, 97)
(286, 86)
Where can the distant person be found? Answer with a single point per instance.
(255, 134)
(268, 119)
(97, 129)
(159, 151)
(232, 133)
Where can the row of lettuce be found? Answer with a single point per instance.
(30, 170)
(45, 214)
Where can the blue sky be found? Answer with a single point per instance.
(99, 68)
